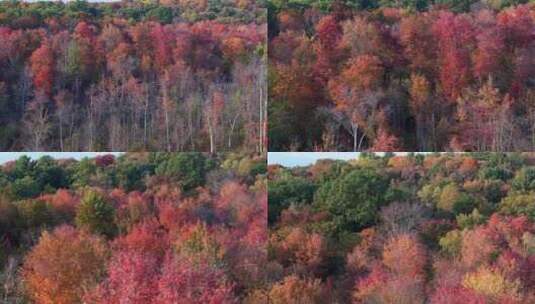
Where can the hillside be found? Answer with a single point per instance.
(132, 76)
(437, 228)
(145, 228)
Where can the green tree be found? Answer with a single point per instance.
(451, 243)
(464, 204)
(35, 214)
(524, 180)
(161, 13)
(457, 6)
(131, 175)
(188, 169)
(73, 65)
(25, 187)
(453, 200)
(23, 167)
(10, 221)
(500, 4)
(493, 191)
(353, 200)
(49, 175)
(75, 9)
(286, 191)
(470, 220)
(82, 172)
(519, 204)
(495, 173)
(96, 214)
(419, 5)
(448, 197)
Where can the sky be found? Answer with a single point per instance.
(9, 156)
(292, 159)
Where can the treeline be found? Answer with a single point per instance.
(140, 228)
(457, 6)
(99, 81)
(436, 228)
(33, 14)
(394, 80)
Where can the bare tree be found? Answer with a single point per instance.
(402, 217)
(36, 122)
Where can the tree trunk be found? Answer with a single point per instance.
(61, 133)
(261, 123)
(145, 121)
(91, 123)
(167, 130)
(211, 136)
(231, 132)
(355, 129)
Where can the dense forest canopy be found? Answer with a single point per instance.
(392, 78)
(434, 228)
(415, 5)
(138, 228)
(32, 14)
(184, 76)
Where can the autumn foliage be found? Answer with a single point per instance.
(64, 265)
(100, 243)
(419, 245)
(411, 76)
(132, 76)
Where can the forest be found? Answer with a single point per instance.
(416, 75)
(133, 76)
(140, 227)
(446, 228)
